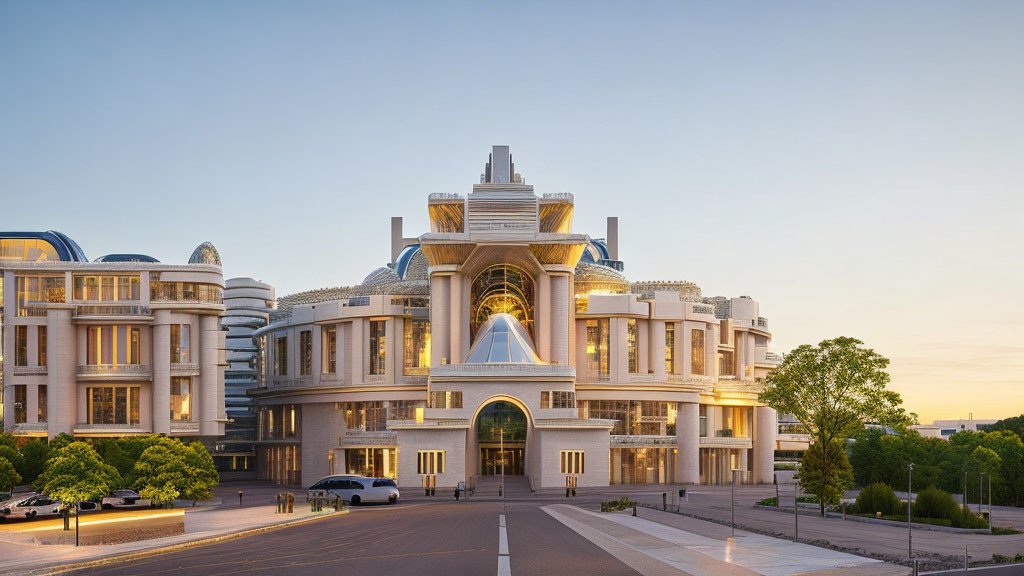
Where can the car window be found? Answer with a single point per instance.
(383, 482)
(319, 485)
(355, 485)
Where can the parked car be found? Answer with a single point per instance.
(124, 499)
(357, 489)
(29, 506)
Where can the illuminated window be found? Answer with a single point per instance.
(572, 462)
(41, 405)
(106, 288)
(38, 289)
(557, 399)
(20, 403)
(134, 349)
(113, 345)
(378, 346)
(113, 404)
(404, 409)
(27, 250)
(726, 364)
(21, 345)
(306, 352)
(670, 348)
(430, 462)
(181, 398)
(329, 341)
(184, 291)
(450, 399)
(180, 343)
(370, 416)
(597, 348)
(502, 288)
(635, 417)
(631, 345)
(281, 357)
(417, 348)
(697, 352)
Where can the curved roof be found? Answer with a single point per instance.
(126, 258)
(66, 248)
(590, 277)
(502, 339)
(205, 253)
(380, 277)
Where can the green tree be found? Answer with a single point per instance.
(826, 482)
(76, 473)
(60, 440)
(1014, 424)
(12, 455)
(9, 477)
(833, 389)
(160, 473)
(203, 476)
(8, 439)
(34, 455)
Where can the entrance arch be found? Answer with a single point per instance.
(501, 429)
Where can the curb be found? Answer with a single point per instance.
(142, 554)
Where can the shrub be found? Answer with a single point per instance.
(616, 505)
(967, 519)
(785, 465)
(935, 503)
(878, 497)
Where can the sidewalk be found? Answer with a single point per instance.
(20, 554)
(705, 549)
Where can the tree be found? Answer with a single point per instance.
(61, 440)
(203, 473)
(160, 473)
(34, 454)
(76, 473)
(9, 477)
(1014, 424)
(834, 388)
(827, 482)
(12, 456)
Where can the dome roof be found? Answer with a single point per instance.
(590, 277)
(417, 268)
(502, 339)
(205, 253)
(126, 258)
(380, 277)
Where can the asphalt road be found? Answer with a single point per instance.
(443, 539)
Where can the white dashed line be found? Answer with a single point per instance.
(504, 563)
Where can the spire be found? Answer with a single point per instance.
(500, 169)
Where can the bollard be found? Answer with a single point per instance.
(664, 501)
(567, 489)
(239, 498)
(278, 503)
(290, 503)
(337, 504)
(574, 492)
(500, 491)
(634, 509)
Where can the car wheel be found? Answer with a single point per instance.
(392, 499)
(30, 515)
(355, 500)
(108, 506)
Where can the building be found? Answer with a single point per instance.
(117, 346)
(248, 303)
(946, 428)
(503, 340)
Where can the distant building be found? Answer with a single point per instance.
(502, 340)
(946, 428)
(119, 346)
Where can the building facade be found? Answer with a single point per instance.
(118, 346)
(503, 340)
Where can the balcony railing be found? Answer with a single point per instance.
(29, 370)
(619, 440)
(85, 427)
(26, 428)
(360, 438)
(113, 370)
(641, 378)
(299, 382)
(574, 423)
(726, 442)
(503, 370)
(376, 378)
(112, 310)
(184, 367)
(184, 427)
(702, 309)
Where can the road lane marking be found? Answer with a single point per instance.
(504, 562)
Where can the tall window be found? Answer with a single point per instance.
(113, 404)
(181, 398)
(634, 417)
(106, 288)
(631, 346)
(572, 462)
(557, 399)
(597, 347)
(726, 364)
(281, 356)
(378, 346)
(430, 462)
(21, 345)
(404, 409)
(20, 403)
(670, 348)
(114, 345)
(417, 347)
(134, 346)
(451, 399)
(38, 289)
(180, 343)
(329, 341)
(41, 410)
(697, 352)
(306, 352)
(369, 416)
(41, 348)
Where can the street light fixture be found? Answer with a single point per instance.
(910, 499)
(735, 473)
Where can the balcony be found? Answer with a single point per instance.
(383, 438)
(114, 372)
(299, 382)
(184, 427)
(129, 312)
(184, 369)
(573, 423)
(29, 370)
(725, 442)
(624, 441)
(30, 429)
(86, 429)
(500, 371)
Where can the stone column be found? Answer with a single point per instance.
(560, 319)
(688, 440)
(542, 321)
(61, 381)
(211, 392)
(456, 315)
(440, 302)
(161, 372)
(765, 436)
(656, 349)
(740, 355)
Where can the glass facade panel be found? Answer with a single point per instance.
(368, 416)
(597, 348)
(670, 348)
(181, 398)
(378, 346)
(113, 404)
(38, 289)
(726, 363)
(417, 348)
(27, 250)
(306, 352)
(634, 417)
(642, 465)
(280, 464)
(373, 462)
(632, 349)
(184, 292)
(697, 352)
(501, 288)
(105, 288)
(181, 345)
(329, 342)
(41, 410)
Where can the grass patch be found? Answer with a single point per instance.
(999, 531)
(617, 505)
(785, 465)
(1000, 559)
(773, 502)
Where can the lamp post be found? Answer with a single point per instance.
(910, 499)
(735, 472)
(501, 442)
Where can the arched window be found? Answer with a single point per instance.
(502, 288)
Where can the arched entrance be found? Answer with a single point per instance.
(501, 439)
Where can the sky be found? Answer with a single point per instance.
(856, 167)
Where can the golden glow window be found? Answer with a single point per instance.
(451, 399)
(417, 348)
(113, 345)
(181, 344)
(41, 345)
(572, 461)
(113, 404)
(670, 348)
(557, 399)
(378, 346)
(281, 356)
(306, 352)
(184, 291)
(106, 288)
(726, 363)
(21, 345)
(597, 348)
(41, 405)
(430, 462)
(20, 403)
(27, 250)
(697, 352)
(632, 346)
(329, 342)
(181, 398)
(38, 289)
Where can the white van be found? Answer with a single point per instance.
(356, 489)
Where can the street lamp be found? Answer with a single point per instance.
(910, 496)
(735, 472)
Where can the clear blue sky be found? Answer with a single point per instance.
(854, 166)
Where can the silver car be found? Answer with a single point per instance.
(29, 506)
(356, 489)
(124, 499)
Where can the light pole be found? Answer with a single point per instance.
(501, 441)
(735, 472)
(910, 499)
